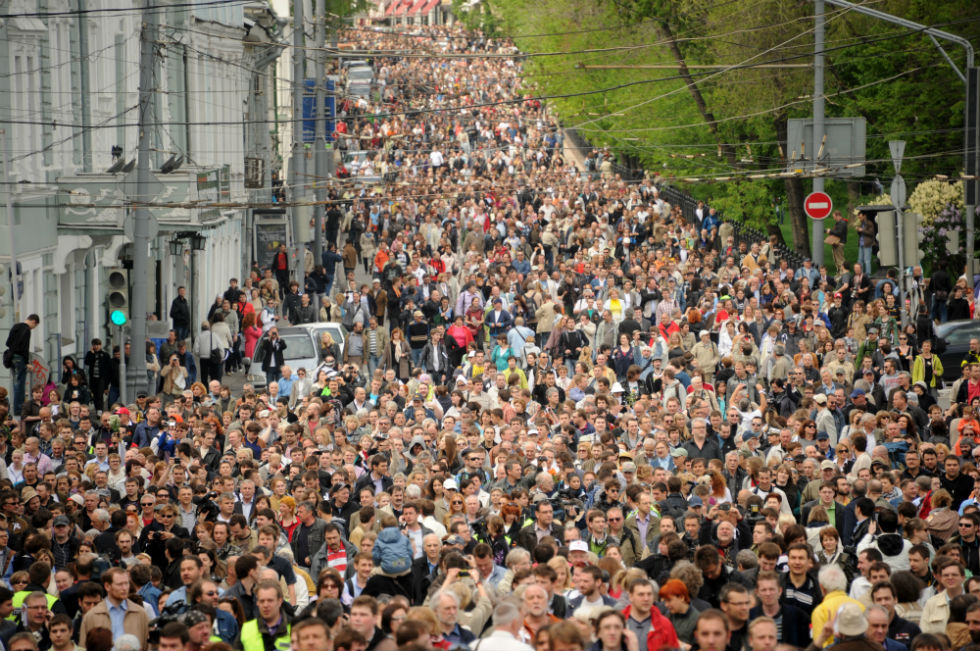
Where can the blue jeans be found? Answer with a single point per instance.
(273, 375)
(374, 361)
(939, 310)
(182, 333)
(416, 356)
(864, 258)
(19, 372)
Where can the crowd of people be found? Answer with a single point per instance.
(562, 417)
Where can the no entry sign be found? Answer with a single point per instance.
(818, 205)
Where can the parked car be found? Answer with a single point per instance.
(957, 335)
(302, 348)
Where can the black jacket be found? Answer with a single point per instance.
(273, 354)
(180, 312)
(796, 625)
(19, 340)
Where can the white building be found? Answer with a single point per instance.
(69, 75)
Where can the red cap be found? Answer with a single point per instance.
(122, 411)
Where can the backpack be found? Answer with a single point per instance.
(217, 355)
(392, 551)
(8, 358)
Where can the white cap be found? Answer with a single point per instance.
(578, 546)
(450, 485)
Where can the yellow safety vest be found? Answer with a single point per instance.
(252, 638)
(19, 598)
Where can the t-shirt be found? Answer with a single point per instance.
(283, 568)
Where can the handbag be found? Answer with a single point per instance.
(831, 239)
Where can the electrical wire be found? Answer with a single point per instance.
(131, 11)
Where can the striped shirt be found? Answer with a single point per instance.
(337, 559)
(372, 342)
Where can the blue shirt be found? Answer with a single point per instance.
(117, 615)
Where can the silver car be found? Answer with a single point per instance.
(302, 349)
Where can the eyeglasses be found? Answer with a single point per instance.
(146, 503)
(211, 593)
(613, 519)
(456, 503)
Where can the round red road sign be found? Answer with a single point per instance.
(818, 205)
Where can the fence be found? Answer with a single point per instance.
(689, 204)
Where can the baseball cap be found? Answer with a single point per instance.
(629, 466)
(704, 333)
(62, 521)
(578, 546)
(695, 502)
(450, 485)
(820, 399)
(77, 499)
(823, 436)
(454, 540)
(857, 392)
(827, 464)
(122, 411)
(678, 452)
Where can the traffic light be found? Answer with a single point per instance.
(911, 227)
(887, 238)
(117, 298)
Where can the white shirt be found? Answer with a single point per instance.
(500, 641)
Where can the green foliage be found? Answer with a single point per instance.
(893, 77)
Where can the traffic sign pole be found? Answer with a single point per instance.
(121, 336)
(897, 193)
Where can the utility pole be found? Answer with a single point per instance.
(296, 169)
(897, 192)
(136, 375)
(14, 275)
(320, 142)
(816, 241)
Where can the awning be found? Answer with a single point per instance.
(415, 7)
(428, 6)
(392, 7)
(403, 6)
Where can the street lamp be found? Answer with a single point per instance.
(198, 242)
(176, 247)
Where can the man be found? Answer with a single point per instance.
(190, 573)
(763, 635)
(652, 630)
(363, 619)
(311, 634)
(700, 446)
(711, 632)
(878, 629)
(19, 347)
(960, 486)
(59, 631)
(446, 605)
(506, 630)
(792, 624)
(898, 629)
(588, 582)
(935, 614)
(833, 586)
(180, 312)
(543, 525)
(245, 570)
(270, 629)
(64, 545)
(490, 572)
(736, 604)
(336, 552)
(801, 590)
(309, 536)
(534, 607)
(116, 612)
(34, 620)
(206, 593)
(99, 366)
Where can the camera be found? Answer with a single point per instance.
(205, 504)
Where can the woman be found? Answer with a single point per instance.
(622, 357)
(783, 479)
(455, 508)
(328, 347)
(77, 391)
(252, 332)
(152, 363)
(942, 520)
(928, 368)
(677, 599)
(719, 490)
(398, 356)
(287, 516)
